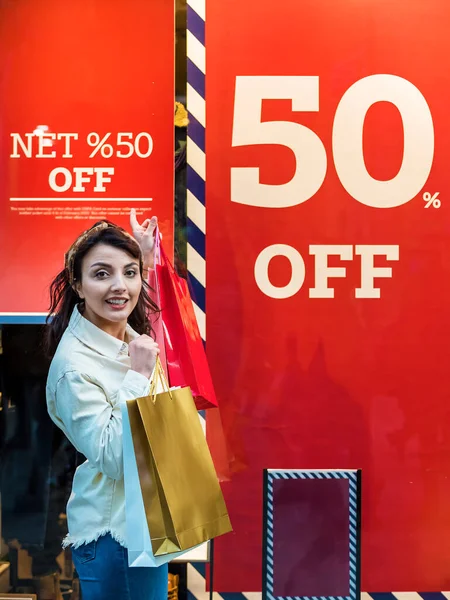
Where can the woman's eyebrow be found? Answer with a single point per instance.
(108, 266)
(100, 264)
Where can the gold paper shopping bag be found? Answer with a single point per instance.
(183, 501)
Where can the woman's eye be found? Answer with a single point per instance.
(101, 274)
(131, 273)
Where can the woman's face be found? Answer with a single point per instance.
(110, 285)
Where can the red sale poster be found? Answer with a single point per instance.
(327, 267)
(87, 104)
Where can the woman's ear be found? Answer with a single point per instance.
(77, 289)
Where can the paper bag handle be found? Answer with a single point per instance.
(159, 375)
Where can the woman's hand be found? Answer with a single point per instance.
(145, 236)
(143, 352)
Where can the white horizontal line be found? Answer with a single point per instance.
(83, 199)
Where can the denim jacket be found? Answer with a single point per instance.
(89, 377)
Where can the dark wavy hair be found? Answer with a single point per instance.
(64, 298)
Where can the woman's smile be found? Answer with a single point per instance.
(117, 303)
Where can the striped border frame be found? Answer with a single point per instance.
(196, 171)
(196, 159)
(354, 479)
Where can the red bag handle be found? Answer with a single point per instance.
(160, 254)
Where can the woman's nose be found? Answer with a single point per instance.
(118, 283)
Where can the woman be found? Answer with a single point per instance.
(99, 336)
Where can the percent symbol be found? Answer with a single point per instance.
(431, 200)
(106, 150)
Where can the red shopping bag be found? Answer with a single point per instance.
(185, 354)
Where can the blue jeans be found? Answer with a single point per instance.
(102, 567)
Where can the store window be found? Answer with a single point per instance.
(37, 462)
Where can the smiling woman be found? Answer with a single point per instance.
(112, 245)
(99, 335)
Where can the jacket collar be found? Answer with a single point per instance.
(97, 339)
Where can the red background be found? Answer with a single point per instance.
(343, 382)
(94, 65)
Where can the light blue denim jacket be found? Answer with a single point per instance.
(89, 377)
